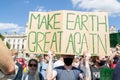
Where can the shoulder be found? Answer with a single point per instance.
(78, 72)
(58, 63)
(76, 69)
(59, 69)
(92, 67)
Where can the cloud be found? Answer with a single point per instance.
(11, 27)
(40, 8)
(27, 1)
(111, 6)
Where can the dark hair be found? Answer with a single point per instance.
(29, 62)
(94, 58)
(45, 55)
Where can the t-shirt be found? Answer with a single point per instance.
(42, 66)
(58, 63)
(95, 72)
(43, 69)
(63, 74)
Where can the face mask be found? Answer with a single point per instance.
(68, 61)
(101, 63)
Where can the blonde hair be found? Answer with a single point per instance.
(36, 76)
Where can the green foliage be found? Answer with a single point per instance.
(114, 39)
(58, 56)
(2, 37)
(106, 74)
(7, 44)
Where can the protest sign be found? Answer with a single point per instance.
(68, 32)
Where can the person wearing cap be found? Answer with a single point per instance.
(65, 72)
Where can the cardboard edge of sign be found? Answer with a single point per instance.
(53, 53)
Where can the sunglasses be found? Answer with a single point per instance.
(34, 65)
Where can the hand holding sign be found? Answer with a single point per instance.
(51, 54)
(86, 54)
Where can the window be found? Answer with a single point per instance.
(18, 46)
(8, 40)
(14, 40)
(18, 40)
(23, 41)
(22, 46)
(13, 46)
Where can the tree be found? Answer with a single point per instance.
(2, 37)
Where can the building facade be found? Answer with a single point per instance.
(16, 41)
(112, 29)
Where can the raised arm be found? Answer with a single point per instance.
(7, 65)
(51, 74)
(87, 56)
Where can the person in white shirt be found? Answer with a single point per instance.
(59, 62)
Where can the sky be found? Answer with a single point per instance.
(14, 13)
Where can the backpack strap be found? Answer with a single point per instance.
(41, 64)
(40, 68)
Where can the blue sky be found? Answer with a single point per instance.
(14, 13)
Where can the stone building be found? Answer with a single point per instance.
(112, 29)
(16, 41)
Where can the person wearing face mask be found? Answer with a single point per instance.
(91, 65)
(65, 72)
(98, 63)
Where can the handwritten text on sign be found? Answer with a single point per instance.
(69, 32)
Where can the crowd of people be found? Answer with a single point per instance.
(66, 67)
